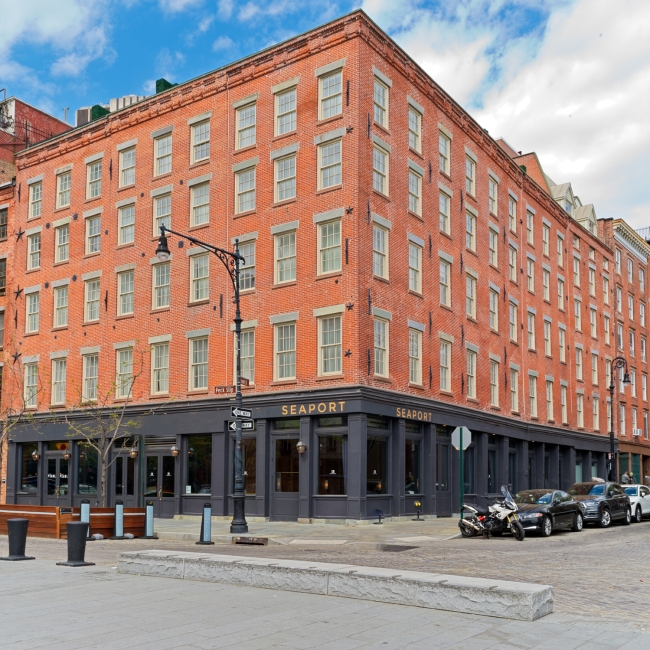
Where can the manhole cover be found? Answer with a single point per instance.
(395, 548)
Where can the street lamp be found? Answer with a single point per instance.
(232, 262)
(617, 364)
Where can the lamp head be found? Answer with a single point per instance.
(175, 451)
(626, 379)
(301, 447)
(162, 252)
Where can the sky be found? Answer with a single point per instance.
(568, 79)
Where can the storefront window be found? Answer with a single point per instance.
(29, 469)
(249, 462)
(492, 471)
(378, 423)
(412, 467)
(332, 464)
(336, 421)
(377, 465)
(287, 460)
(119, 474)
(287, 424)
(87, 483)
(468, 459)
(199, 465)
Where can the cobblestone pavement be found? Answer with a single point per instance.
(45, 606)
(604, 574)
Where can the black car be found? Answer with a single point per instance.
(603, 502)
(543, 511)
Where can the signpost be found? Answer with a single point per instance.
(246, 425)
(461, 438)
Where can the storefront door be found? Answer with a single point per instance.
(285, 462)
(123, 481)
(57, 493)
(159, 483)
(443, 475)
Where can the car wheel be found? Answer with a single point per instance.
(547, 526)
(638, 515)
(605, 518)
(578, 523)
(628, 517)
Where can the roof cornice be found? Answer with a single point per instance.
(628, 237)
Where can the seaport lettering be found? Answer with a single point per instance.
(306, 409)
(413, 414)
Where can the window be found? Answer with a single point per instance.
(494, 310)
(546, 284)
(160, 368)
(642, 280)
(621, 415)
(531, 331)
(248, 355)
(493, 243)
(512, 214)
(381, 347)
(549, 400)
(285, 255)
(331, 95)
(4, 216)
(579, 364)
(530, 275)
(200, 278)
(247, 267)
(470, 231)
(246, 126)
(200, 141)
(329, 247)
(124, 372)
(563, 404)
(127, 167)
(560, 251)
(470, 176)
(576, 271)
(285, 351)
(445, 366)
(644, 387)
(285, 112)
(415, 265)
(90, 375)
(93, 235)
(633, 382)
(512, 263)
(608, 372)
(642, 314)
(94, 182)
(594, 369)
(470, 302)
(63, 184)
(631, 343)
(471, 374)
(493, 190)
(61, 306)
(606, 329)
(579, 410)
(513, 322)
(596, 412)
(634, 421)
(643, 353)
(494, 383)
(35, 200)
(645, 425)
(380, 170)
(126, 217)
(31, 385)
(161, 282)
(58, 381)
(34, 251)
(592, 322)
(546, 238)
(606, 291)
(562, 344)
(532, 393)
(530, 227)
(92, 300)
(547, 338)
(380, 100)
(618, 261)
(62, 238)
(415, 130)
(33, 308)
(619, 299)
(330, 345)
(444, 207)
(162, 212)
(630, 307)
(415, 189)
(444, 151)
(577, 312)
(245, 190)
(163, 155)
(630, 271)
(125, 289)
(592, 281)
(329, 160)
(199, 364)
(445, 283)
(514, 390)
(285, 179)
(619, 336)
(379, 251)
(3, 277)
(200, 204)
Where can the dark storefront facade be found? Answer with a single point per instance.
(364, 451)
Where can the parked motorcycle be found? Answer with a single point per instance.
(498, 517)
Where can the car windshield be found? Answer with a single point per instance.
(630, 491)
(583, 489)
(534, 496)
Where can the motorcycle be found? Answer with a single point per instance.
(498, 517)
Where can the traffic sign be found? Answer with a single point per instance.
(246, 425)
(224, 390)
(466, 438)
(238, 412)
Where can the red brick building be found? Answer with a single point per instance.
(405, 274)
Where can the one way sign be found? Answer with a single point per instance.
(246, 425)
(237, 412)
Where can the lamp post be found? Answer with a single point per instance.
(232, 261)
(617, 364)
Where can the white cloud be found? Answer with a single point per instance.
(167, 63)
(174, 6)
(222, 43)
(253, 9)
(225, 9)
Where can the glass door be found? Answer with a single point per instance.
(443, 487)
(57, 481)
(124, 481)
(160, 484)
(286, 482)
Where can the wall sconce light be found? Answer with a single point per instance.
(301, 447)
(66, 455)
(190, 451)
(133, 453)
(175, 451)
(35, 455)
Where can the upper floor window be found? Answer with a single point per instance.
(92, 300)
(329, 165)
(246, 126)
(444, 209)
(512, 214)
(546, 236)
(200, 141)
(126, 217)
(125, 293)
(530, 227)
(493, 190)
(200, 278)
(560, 251)
(329, 247)
(200, 204)
(62, 243)
(163, 154)
(127, 167)
(330, 345)
(641, 280)
(4, 218)
(3, 277)
(331, 95)
(35, 200)
(34, 251)
(63, 184)
(618, 260)
(285, 111)
(245, 189)
(379, 251)
(444, 153)
(285, 257)
(380, 170)
(630, 271)
(470, 231)
(415, 130)
(415, 191)
(285, 179)
(380, 99)
(94, 179)
(470, 176)
(33, 310)
(161, 284)
(445, 283)
(93, 235)
(415, 268)
(247, 268)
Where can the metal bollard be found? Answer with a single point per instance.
(118, 527)
(84, 514)
(148, 521)
(206, 525)
(77, 533)
(17, 530)
(379, 514)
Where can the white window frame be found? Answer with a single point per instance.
(470, 295)
(333, 167)
(127, 167)
(444, 209)
(162, 148)
(415, 270)
(62, 244)
(200, 202)
(336, 346)
(514, 390)
(563, 404)
(471, 374)
(549, 400)
(547, 339)
(34, 251)
(415, 130)
(546, 284)
(562, 344)
(531, 331)
(445, 283)
(580, 416)
(445, 366)
(595, 405)
(35, 200)
(285, 249)
(579, 374)
(330, 230)
(493, 247)
(530, 275)
(530, 228)
(158, 291)
(246, 126)
(162, 213)
(90, 386)
(444, 153)
(63, 189)
(512, 264)
(331, 104)
(246, 190)
(199, 278)
(60, 316)
(200, 138)
(198, 364)
(380, 242)
(594, 369)
(59, 372)
(126, 219)
(94, 174)
(546, 239)
(470, 176)
(381, 328)
(380, 101)
(32, 312)
(494, 383)
(88, 286)
(532, 394)
(123, 373)
(512, 214)
(160, 368)
(126, 293)
(94, 234)
(512, 308)
(560, 251)
(290, 112)
(415, 192)
(380, 170)
(470, 231)
(285, 172)
(283, 355)
(493, 196)
(31, 385)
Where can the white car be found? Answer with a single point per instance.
(639, 500)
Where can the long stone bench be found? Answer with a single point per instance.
(502, 598)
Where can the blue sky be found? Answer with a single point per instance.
(550, 76)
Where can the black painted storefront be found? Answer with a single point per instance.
(367, 450)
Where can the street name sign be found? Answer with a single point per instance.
(244, 382)
(238, 412)
(246, 425)
(224, 390)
